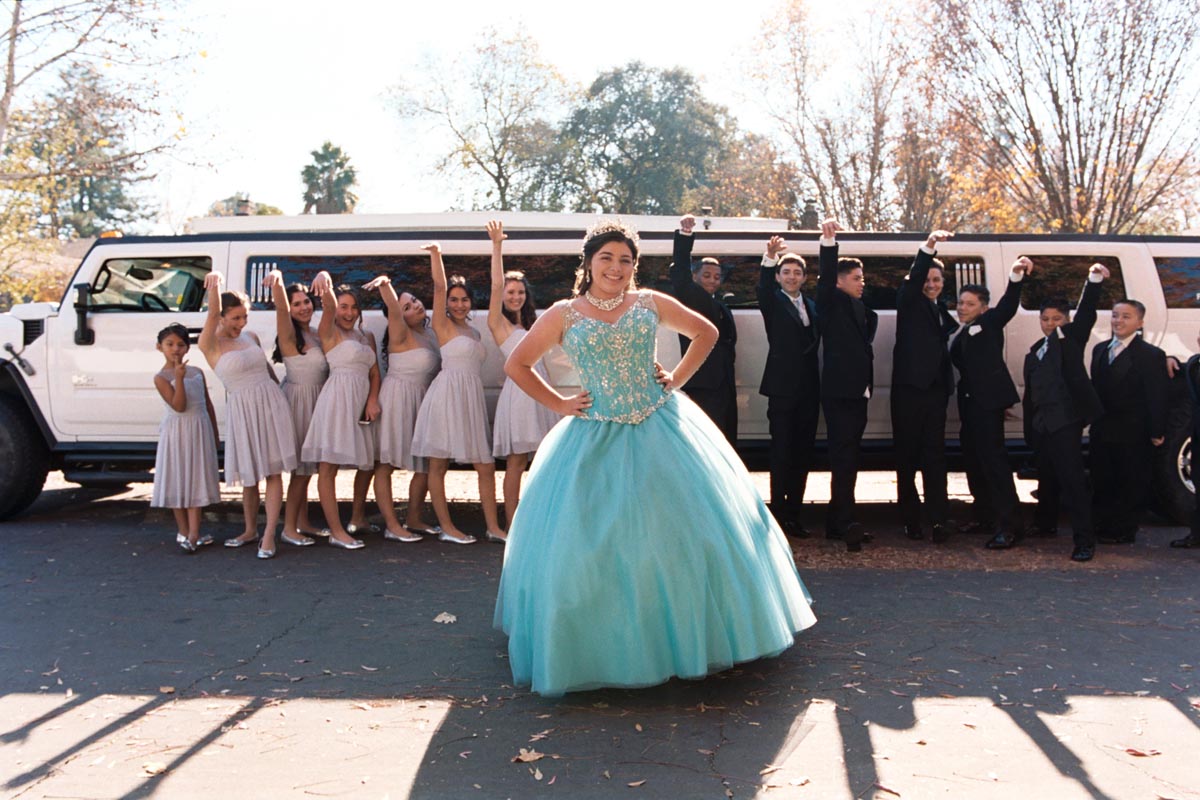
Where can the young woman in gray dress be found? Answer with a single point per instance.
(298, 348)
(339, 434)
(260, 443)
(412, 359)
(453, 422)
(521, 422)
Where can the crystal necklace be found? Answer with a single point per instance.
(604, 305)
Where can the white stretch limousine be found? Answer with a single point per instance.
(76, 390)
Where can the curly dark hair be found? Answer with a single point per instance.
(600, 234)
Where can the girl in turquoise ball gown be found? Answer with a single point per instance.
(641, 549)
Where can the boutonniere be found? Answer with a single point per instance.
(974, 329)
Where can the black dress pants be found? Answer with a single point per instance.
(793, 427)
(1121, 483)
(989, 473)
(720, 404)
(845, 422)
(919, 434)
(1062, 481)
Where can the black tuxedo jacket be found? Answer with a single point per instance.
(1133, 389)
(978, 354)
(848, 330)
(920, 356)
(792, 366)
(717, 369)
(1068, 348)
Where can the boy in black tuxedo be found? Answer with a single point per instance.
(922, 380)
(847, 377)
(712, 387)
(791, 379)
(985, 391)
(1130, 375)
(1059, 401)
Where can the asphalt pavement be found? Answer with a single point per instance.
(130, 670)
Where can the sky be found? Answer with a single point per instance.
(269, 81)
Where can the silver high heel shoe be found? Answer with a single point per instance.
(354, 544)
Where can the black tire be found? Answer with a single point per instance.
(24, 458)
(1174, 490)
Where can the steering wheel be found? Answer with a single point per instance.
(149, 300)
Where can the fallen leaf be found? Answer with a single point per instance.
(637, 727)
(769, 768)
(464, 754)
(552, 780)
(369, 669)
(154, 768)
(607, 776)
(537, 737)
(537, 774)
(803, 781)
(886, 790)
(445, 618)
(705, 752)
(527, 756)
(361, 706)
(166, 690)
(1133, 751)
(635, 784)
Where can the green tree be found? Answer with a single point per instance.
(493, 105)
(749, 179)
(328, 181)
(637, 142)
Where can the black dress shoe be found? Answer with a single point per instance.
(1083, 552)
(1044, 532)
(972, 527)
(1003, 540)
(794, 529)
(913, 533)
(941, 533)
(1191, 540)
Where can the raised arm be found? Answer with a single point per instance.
(322, 287)
(544, 334)
(827, 267)
(283, 316)
(442, 325)
(396, 325)
(497, 324)
(1006, 309)
(1080, 328)
(207, 340)
(914, 282)
(681, 257)
(764, 291)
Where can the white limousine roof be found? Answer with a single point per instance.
(460, 220)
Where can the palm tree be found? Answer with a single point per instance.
(328, 180)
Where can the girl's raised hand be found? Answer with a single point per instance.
(272, 279)
(213, 280)
(495, 231)
(433, 248)
(375, 283)
(322, 283)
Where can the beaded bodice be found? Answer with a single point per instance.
(616, 362)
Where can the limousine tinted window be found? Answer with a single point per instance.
(551, 276)
(1180, 281)
(1057, 277)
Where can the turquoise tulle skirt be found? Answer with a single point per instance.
(643, 552)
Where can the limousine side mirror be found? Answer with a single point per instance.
(84, 335)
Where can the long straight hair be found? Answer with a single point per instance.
(277, 355)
